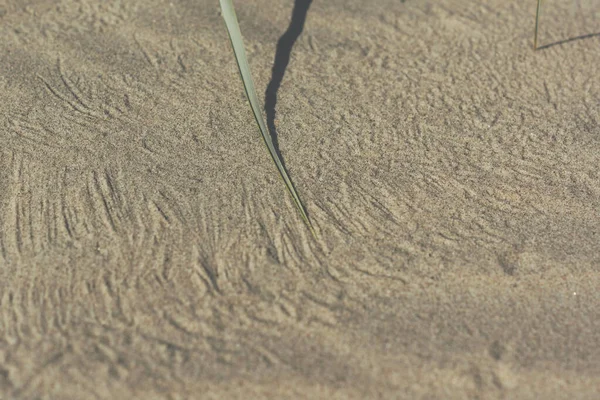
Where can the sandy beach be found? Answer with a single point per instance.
(149, 249)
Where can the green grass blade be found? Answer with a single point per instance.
(237, 43)
(537, 20)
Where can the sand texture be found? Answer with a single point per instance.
(149, 250)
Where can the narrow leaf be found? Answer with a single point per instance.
(537, 20)
(240, 55)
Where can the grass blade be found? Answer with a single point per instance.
(537, 20)
(237, 43)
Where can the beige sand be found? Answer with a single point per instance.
(148, 249)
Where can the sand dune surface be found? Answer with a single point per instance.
(149, 250)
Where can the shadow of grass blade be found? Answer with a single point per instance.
(537, 20)
(237, 43)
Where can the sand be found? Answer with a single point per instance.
(149, 250)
